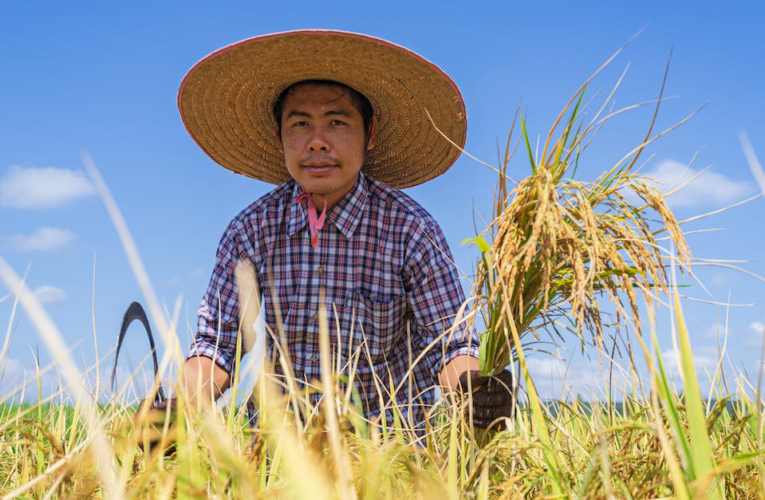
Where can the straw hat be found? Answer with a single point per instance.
(226, 102)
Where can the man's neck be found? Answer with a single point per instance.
(332, 198)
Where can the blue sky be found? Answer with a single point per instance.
(89, 75)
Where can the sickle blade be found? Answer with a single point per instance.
(135, 312)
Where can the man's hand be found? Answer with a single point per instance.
(492, 397)
(204, 382)
(150, 422)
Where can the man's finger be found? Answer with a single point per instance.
(486, 423)
(500, 383)
(472, 380)
(503, 410)
(483, 412)
(483, 398)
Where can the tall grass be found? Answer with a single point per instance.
(641, 448)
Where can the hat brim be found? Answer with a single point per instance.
(226, 103)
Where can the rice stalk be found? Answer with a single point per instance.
(557, 246)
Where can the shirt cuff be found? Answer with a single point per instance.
(206, 350)
(471, 350)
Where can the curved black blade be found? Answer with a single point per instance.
(135, 312)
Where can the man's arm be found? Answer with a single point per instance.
(436, 296)
(450, 375)
(212, 355)
(204, 381)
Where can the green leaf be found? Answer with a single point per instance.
(528, 145)
(667, 398)
(703, 459)
(540, 424)
(480, 241)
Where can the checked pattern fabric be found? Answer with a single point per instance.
(389, 284)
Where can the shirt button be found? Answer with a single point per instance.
(372, 297)
(314, 357)
(315, 316)
(320, 270)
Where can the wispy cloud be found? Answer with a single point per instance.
(42, 187)
(48, 294)
(704, 363)
(43, 239)
(715, 330)
(12, 374)
(20, 382)
(754, 335)
(555, 378)
(709, 188)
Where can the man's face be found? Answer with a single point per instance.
(323, 140)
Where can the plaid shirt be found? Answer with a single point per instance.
(391, 290)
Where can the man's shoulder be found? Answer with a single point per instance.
(267, 206)
(398, 202)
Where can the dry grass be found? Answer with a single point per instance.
(557, 246)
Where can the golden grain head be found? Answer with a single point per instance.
(559, 246)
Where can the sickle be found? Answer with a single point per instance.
(135, 312)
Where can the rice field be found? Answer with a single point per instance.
(558, 256)
(654, 444)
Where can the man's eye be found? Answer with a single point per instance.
(337, 122)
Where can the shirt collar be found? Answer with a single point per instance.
(346, 215)
(298, 217)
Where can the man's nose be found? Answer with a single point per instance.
(318, 141)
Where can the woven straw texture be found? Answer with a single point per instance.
(226, 103)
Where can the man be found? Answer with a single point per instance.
(338, 121)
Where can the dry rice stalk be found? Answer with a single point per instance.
(559, 245)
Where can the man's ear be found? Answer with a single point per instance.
(372, 130)
(278, 137)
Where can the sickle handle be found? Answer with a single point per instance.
(135, 312)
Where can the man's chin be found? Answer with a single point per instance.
(317, 186)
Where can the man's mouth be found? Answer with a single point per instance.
(317, 167)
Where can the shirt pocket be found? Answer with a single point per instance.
(379, 325)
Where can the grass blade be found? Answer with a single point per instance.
(701, 450)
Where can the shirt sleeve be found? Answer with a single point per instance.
(218, 315)
(435, 296)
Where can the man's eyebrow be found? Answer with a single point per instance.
(296, 112)
(337, 112)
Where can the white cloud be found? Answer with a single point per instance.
(48, 294)
(720, 279)
(703, 364)
(19, 382)
(12, 376)
(42, 187)
(710, 188)
(43, 239)
(753, 338)
(555, 378)
(545, 366)
(714, 330)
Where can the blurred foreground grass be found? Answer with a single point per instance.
(640, 448)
